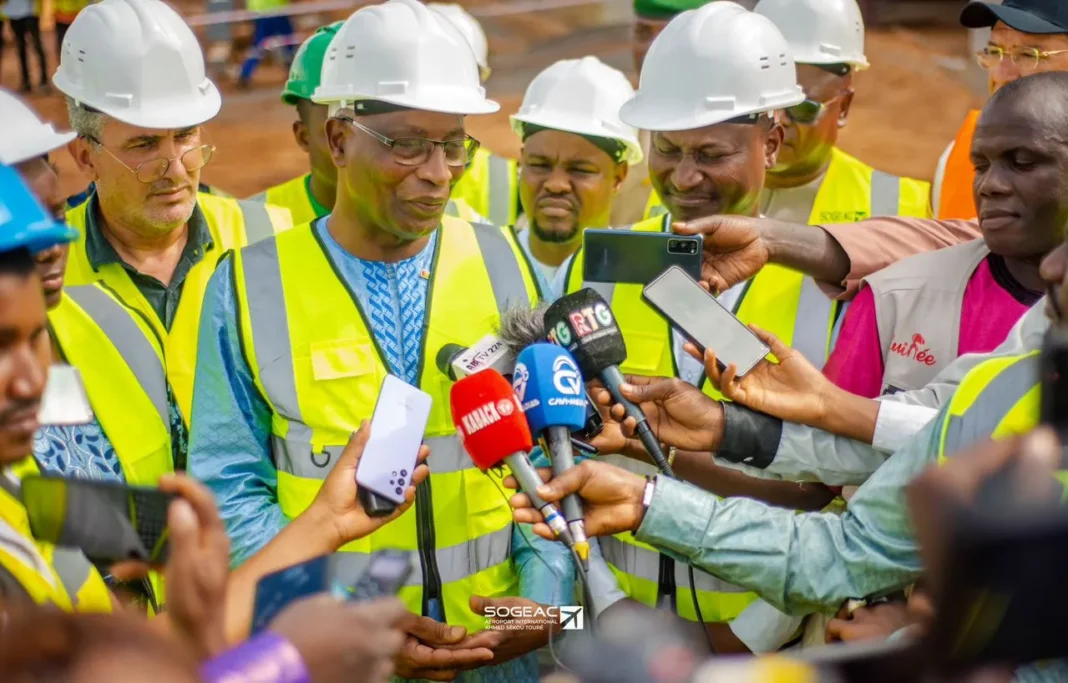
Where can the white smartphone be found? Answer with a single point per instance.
(397, 430)
(704, 320)
(65, 402)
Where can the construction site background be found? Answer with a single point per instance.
(908, 106)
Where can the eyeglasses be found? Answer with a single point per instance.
(417, 151)
(809, 111)
(1025, 58)
(152, 170)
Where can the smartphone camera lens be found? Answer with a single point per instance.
(681, 247)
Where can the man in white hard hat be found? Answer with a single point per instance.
(714, 136)
(489, 187)
(576, 154)
(813, 180)
(306, 326)
(138, 97)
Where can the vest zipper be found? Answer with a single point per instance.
(427, 542)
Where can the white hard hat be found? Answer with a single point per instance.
(402, 53)
(580, 96)
(24, 135)
(471, 29)
(711, 65)
(137, 61)
(819, 31)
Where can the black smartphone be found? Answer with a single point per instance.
(108, 521)
(628, 256)
(386, 573)
(704, 320)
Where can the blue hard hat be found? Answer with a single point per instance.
(24, 223)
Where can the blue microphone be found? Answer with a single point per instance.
(549, 386)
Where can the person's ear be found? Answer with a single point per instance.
(338, 134)
(843, 108)
(621, 171)
(82, 152)
(773, 143)
(300, 134)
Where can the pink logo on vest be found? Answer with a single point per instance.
(916, 350)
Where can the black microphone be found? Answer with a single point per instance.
(522, 327)
(583, 323)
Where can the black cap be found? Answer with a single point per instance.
(582, 322)
(1027, 16)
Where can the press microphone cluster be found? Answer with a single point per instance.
(549, 385)
(490, 422)
(583, 323)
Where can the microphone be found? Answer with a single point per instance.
(549, 386)
(522, 327)
(490, 423)
(457, 362)
(582, 322)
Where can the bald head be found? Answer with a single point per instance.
(1038, 102)
(1020, 154)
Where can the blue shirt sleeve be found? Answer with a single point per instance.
(546, 571)
(229, 444)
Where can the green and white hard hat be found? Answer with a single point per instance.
(308, 64)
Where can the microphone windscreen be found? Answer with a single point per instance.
(489, 419)
(522, 326)
(445, 356)
(549, 386)
(582, 323)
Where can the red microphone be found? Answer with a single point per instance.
(490, 423)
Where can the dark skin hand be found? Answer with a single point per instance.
(869, 623)
(505, 644)
(432, 650)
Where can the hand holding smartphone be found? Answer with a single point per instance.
(702, 319)
(390, 457)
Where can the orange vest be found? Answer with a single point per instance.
(957, 199)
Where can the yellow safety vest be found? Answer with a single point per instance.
(792, 306)
(294, 195)
(315, 360)
(998, 398)
(233, 223)
(490, 186)
(74, 584)
(650, 352)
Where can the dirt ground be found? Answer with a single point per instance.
(908, 105)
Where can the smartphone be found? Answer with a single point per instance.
(397, 430)
(65, 402)
(108, 521)
(627, 256)
(386, 573)
(704, 320)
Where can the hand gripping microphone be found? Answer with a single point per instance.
(583, 324)
(548, 384)
(491, 425)
(521, 327)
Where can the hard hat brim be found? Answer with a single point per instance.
(647, 113)
(981, 15)
(162, 115)
(858, 64)
(24, 150)
(439, 100)
(634, 153)
(39, 236)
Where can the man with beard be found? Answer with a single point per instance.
(576, 154)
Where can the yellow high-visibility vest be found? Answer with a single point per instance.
(233, 223)
(315, 360)
(72, 584)
(490, 186)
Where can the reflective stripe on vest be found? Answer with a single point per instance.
(226, 222)
(258, 224)
(997, 398)
(501, 191)
(956, 195)
(320, 369)
(885, 193)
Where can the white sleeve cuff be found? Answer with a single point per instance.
(765, 629)
(604, 589)
(899, 422)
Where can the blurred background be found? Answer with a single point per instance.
(909, 105)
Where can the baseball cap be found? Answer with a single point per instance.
(1027, 16)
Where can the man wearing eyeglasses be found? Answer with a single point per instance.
(304, 328)
(1028, 36)
(813, 181)
(146, 233)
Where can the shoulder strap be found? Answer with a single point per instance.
(885, 194)
(502, 264)
(258, 224)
